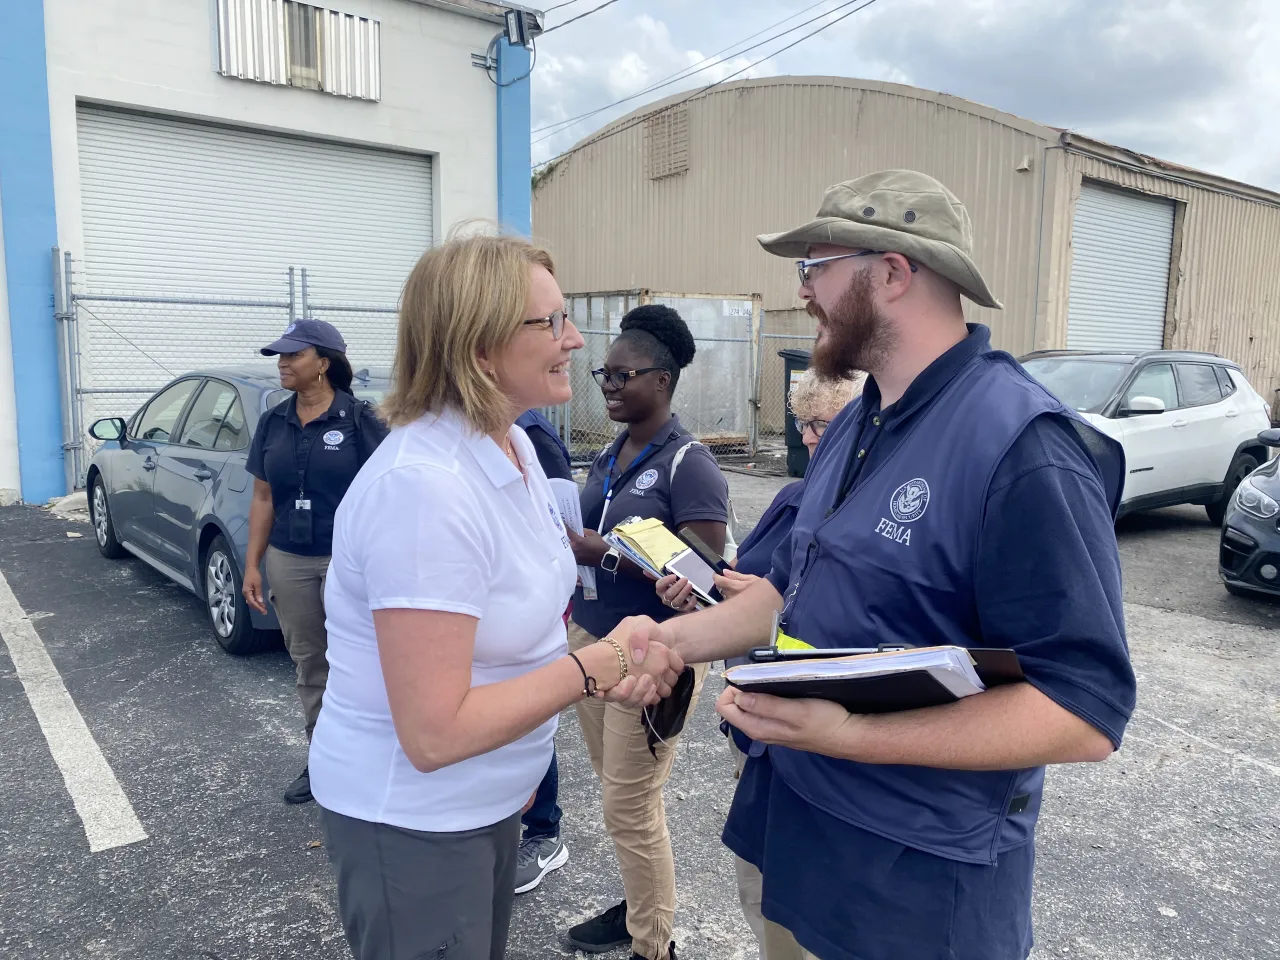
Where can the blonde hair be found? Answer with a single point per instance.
(813, 398)
(463, 298)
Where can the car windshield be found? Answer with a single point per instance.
(1082, 384)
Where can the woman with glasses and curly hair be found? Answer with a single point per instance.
(654, 469)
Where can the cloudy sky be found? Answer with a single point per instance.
(1192, 81)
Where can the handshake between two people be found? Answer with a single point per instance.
(654, 667)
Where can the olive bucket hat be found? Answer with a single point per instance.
(901, 211)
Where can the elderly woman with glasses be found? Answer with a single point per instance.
(815, 402)
(451, 569)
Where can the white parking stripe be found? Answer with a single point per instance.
(1239, 755)
(108, 817)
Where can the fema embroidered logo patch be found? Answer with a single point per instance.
(909, 501)
(290, 328)
(332, 438)
(646, 479)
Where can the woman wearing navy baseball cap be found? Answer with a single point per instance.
(305, 453)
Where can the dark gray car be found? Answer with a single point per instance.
(169, 486)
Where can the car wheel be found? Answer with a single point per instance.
(104, 531)
(1241, 467)
(228, 613)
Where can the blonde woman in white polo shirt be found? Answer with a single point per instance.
(448, 662)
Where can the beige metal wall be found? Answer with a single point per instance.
(761, 152)
(1226, 255)
(760, 155)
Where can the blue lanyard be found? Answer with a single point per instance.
(608, 477)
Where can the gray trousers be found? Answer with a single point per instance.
(411, 895)
(297, 593)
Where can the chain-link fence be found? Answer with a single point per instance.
(715, 393)
(121, 346)
(780, 330)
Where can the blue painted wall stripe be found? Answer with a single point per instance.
(514, 153)
(30, 231)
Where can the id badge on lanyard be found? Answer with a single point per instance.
(301, 527)
(589, 592)
(609, 489)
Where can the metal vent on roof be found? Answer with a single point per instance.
(666, 142)
(297, 44)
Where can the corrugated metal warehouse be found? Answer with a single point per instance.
(1088, 245)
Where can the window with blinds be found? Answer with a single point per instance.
(286, 42)
(666, 142)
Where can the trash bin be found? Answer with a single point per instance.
(794, 363)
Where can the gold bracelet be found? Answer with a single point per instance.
(623, 665)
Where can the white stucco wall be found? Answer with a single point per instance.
(10, 484)
(159, 56)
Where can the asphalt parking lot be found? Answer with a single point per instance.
(1171, 849)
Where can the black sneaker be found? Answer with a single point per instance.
(603, 933)
(671, 953)
(300, 790)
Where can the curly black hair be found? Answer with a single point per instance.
(663, 336)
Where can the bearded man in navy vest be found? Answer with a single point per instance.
(955, 502)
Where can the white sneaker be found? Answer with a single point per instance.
(538, 857)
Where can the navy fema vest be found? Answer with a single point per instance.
(895, 563)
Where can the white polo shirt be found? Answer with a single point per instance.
(438, 519)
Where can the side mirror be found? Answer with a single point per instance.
(1144, 405)
(1270, 437)
(108, 428)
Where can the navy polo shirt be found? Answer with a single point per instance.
(1047, 584)
(755, 557)
(553, 455)
(755, 553)
(646, 489)
(320, 459)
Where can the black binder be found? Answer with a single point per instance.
(888, 693)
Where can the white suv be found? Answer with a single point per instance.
(1189, 422)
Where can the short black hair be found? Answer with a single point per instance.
(663, 336)
(339, 372)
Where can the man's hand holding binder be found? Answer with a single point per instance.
(1009, 727)
(815, 726)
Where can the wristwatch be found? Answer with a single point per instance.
(609, 561)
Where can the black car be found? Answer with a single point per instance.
(1249, 551)
(169, 486)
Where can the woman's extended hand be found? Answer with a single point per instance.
(589, 547)
(676, 593)
(731, 583)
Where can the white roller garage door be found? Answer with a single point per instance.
(187, 210)
(1121, 243)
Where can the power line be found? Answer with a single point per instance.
(698, 93)
(689, 71)
(567, 3)
(580, 16)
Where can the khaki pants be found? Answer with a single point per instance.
(634, 813)
(779, 944)
(297, 593)
(750, 882)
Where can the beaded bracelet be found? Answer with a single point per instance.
(588, 682)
